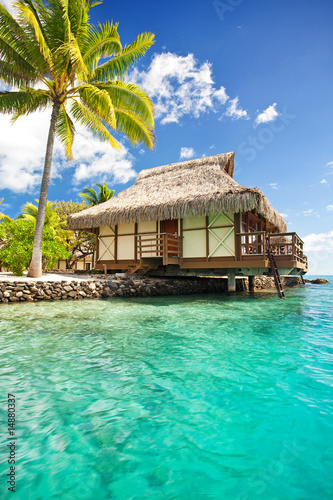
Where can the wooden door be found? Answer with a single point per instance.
(171, 227)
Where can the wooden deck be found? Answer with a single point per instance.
(163, 249)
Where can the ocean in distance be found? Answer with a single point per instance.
(195, 397)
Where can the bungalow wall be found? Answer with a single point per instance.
(209, 236)
(219, 241)
(204, 237)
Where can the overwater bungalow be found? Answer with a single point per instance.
(192, 218)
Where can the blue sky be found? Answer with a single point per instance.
(250, 77)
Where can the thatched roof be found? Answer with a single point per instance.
(195, 187)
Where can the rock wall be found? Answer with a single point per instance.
(25, 291)
(78, 290)
(265, 282)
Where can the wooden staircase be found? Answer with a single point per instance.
(275, 272)
(141, 267)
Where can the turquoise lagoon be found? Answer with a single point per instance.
(196, 397)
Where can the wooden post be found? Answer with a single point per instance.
(207, 238)
(165, 249)
(237, 237)
(231, 282)
(251, 283)
(135, 241)
(116, 244)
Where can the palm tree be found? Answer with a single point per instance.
(92, 198)
(52, 219)
(30, 212)
(58, 59)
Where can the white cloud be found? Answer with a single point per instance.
(323, 181)
(180, 85)
(97, 161)
(187, 153)
(319, 249)
(23, 144)
(22, 147)
(329, 164)
(329, 208)
(284, 215)
(235, 112)
(308, 212)
(268, 115)
(274, 185)
(321, 241)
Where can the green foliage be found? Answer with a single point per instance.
(65, 208)
(52, 250)
(30, 211)
(17, 248)
(52, 220)
(17, 242)
(80, 243)
(92, 198)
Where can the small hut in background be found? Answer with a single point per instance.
(191, 218)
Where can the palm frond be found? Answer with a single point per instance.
(99, 102)
(105, 193)
(90, 196)
(93, 3)
(16, 48)
(130, 96)
(11, 74)
(54, 29)
(70, 50)
(23, 102)
(102, 41)
(88, 119)
(119, 65)
(76, 58)
(65, 131)
(78, 14)
(136, 129)
(27, 16)
(29, 211)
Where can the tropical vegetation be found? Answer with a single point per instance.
(81, 244)
(17, 238)
(56, 59)
(93, 198)
(59, 242)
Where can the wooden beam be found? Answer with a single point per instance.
(207, 238)
(135, 241)
(231, 282)
(116, 243)
(251, 283)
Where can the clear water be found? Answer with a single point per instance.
(197, 397)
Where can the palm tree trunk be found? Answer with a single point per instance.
(35, 269)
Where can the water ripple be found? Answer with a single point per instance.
(202, 397)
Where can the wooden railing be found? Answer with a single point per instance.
(159, 245)
(284, 246)
(253, 243)
(287, 245)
